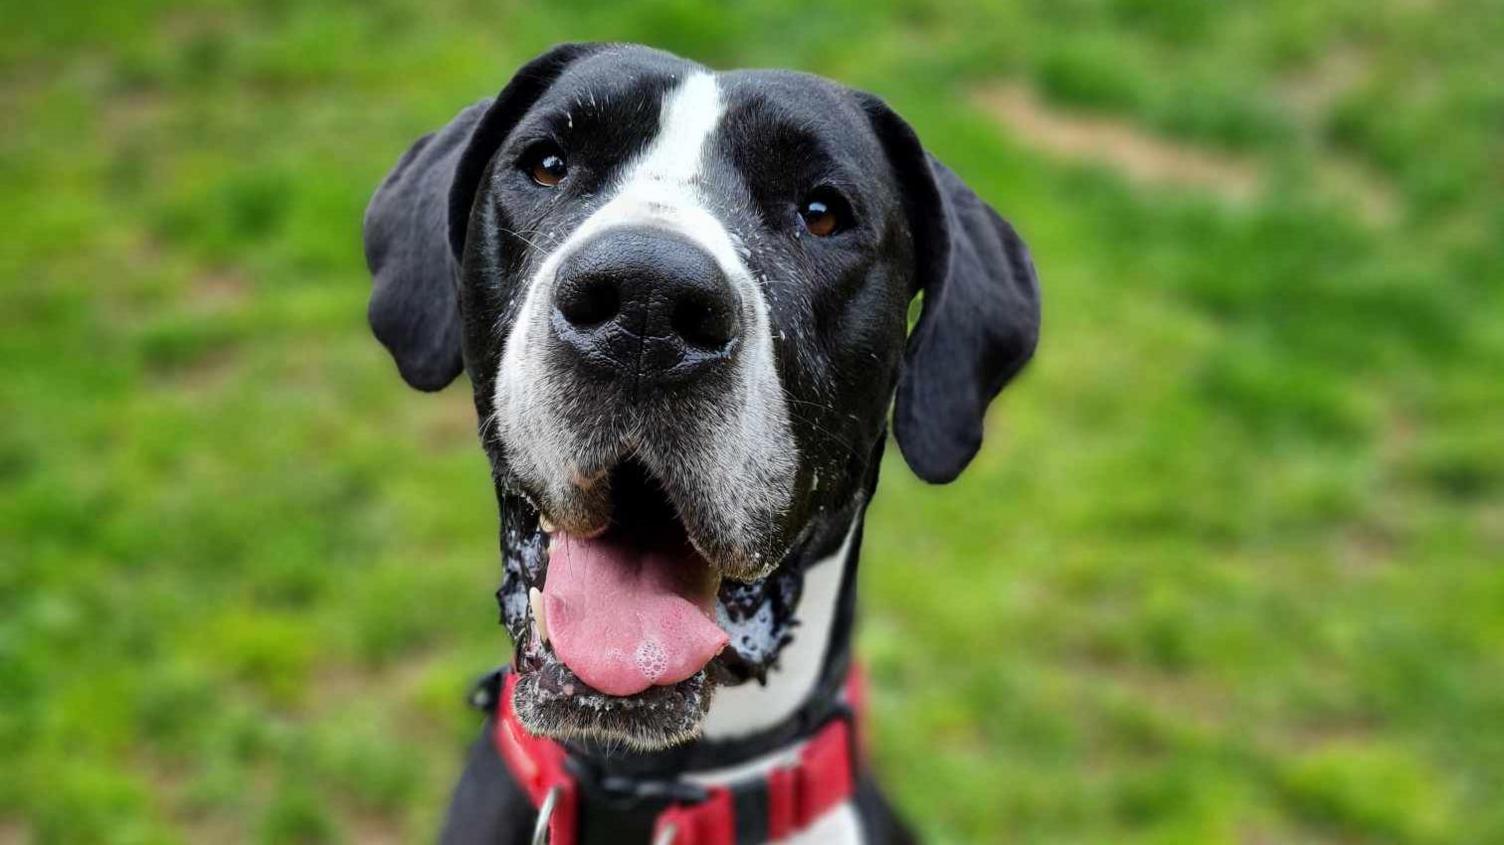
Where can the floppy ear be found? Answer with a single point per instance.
(979, 322)
(415, 225)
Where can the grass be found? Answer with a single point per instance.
(1229, 569)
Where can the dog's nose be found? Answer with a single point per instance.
(645, 303)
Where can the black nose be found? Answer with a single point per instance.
(646, 304)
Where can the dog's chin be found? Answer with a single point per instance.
(622, 636)
(551, 701)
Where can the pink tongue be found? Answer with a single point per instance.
(624, 618)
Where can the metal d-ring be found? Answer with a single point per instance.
(545, 812)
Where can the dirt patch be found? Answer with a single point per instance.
(371, 829)
(1154, 161)
(213, 293)
(1365, 550)
(132, 112)
(209, 372)
(1491, 524)
(1356, 186)
(218, 290)
(1310, 95)
(1187, 699)
(1141, 157)
(1311, 91)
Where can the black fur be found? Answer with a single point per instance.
(414, 308)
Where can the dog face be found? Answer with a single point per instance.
(681, 297)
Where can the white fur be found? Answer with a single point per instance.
(840, 826)
(741, 710)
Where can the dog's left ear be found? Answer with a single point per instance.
(979, 322)
(416, 224)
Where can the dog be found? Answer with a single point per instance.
(682, 300)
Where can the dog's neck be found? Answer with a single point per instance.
(751, 708)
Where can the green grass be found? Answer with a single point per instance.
(1230, 569)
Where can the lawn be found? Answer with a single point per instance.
(1230, 568)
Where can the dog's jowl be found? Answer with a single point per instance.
(681, 300)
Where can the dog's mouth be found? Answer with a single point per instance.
(633, 606)
(622, 631)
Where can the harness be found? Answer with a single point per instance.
(781, 802)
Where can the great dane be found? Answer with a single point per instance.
(682, 300)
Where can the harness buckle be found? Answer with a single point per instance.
(545, 814)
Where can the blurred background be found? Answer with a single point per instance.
(1229, 569)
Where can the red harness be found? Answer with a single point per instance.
(823, 778)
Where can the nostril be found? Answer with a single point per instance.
(590, 303)
(703, 322)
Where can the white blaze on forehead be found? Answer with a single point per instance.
(690, 115)
(662, 186)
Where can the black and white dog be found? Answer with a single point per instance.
(681, 297)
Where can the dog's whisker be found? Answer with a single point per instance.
(488, 425)
(533, 245)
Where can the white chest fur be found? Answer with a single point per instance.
(739, 711)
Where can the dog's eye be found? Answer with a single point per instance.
(545, 164)
(825, 212)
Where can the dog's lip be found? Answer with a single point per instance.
(659, 715)
(550, 701)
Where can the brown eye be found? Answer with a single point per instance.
(825, 213)
(545, 163)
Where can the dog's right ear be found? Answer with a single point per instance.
(416, 223)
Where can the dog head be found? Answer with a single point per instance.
(681, 298)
